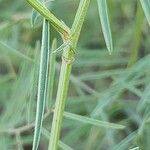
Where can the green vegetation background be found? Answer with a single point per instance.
(114, 88)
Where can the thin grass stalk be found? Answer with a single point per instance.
(42, 84)
(67, 60)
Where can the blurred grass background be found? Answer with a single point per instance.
(114, 88)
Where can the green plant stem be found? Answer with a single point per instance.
(60, 100)
(78, 21)
(67, 60)
(59, 26)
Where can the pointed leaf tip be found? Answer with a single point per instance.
(103, 13)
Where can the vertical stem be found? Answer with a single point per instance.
(78, 21)
(60, 99)
(67, 60)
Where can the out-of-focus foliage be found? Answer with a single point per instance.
(113, 88)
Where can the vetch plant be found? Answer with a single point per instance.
(70, 37)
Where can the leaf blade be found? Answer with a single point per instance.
(146, 7)
(103, 14)
(34, 17)
(93, 121)
(42, 84)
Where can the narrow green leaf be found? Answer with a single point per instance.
(52, 66)
(125, 142)
(144, 99)
(42, 84)
(11, 51)
(92, 121)
(35, 14)
(103, 13)
(34, 17)
(135, 148)
(146, 7)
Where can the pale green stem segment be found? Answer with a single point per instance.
(67, 60)
(60, 100)
(59, 26)
(42, 84)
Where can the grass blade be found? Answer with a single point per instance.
(135, 148)
(103, 13)
(146, 7)
(51, 74)
(11, 51)
(93, 121)
(42, 84)
(34, 17)
(125, 142)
